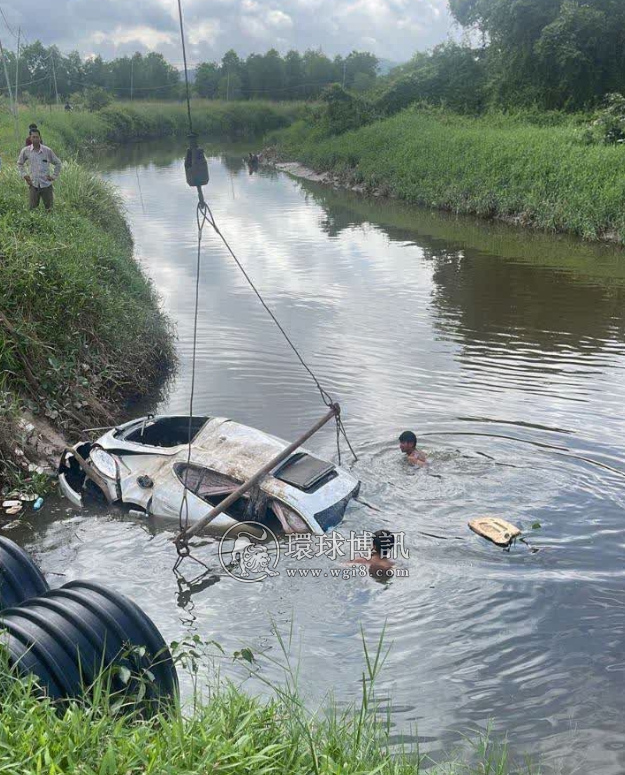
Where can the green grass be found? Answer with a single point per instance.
(126, 122)
(82, 315)
(228, 731)
(538, 174)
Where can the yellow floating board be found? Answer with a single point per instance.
(495, 529)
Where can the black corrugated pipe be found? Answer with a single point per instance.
(69, 637)
(20, 578)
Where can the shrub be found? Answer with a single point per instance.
(609, 125)
(342, 111)
(96, 99)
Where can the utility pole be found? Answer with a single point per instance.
(228, 87)
(56, 90)
(344, 71)
(132, 76)
(6, 76)
(17, 66)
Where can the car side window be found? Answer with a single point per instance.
(189, 475)
(213, 484)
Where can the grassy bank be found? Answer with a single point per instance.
(232, 732)
(534, 170)
(128, 122)
(80, 327)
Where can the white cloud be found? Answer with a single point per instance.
(394, 29)
(147, 37)
(279, 19)
(206, 32)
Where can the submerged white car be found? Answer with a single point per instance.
(144, 465)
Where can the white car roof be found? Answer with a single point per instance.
(229, 447)
(238, 451)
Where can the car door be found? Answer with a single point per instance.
(169, 490)
(204, 488)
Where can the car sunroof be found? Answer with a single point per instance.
(303, 471)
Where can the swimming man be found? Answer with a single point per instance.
(408, 445)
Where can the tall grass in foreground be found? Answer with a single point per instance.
(229, 732)
(494, 166)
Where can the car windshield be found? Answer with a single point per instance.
(162, 431)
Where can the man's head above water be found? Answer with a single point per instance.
(407, 442)
(383, 542)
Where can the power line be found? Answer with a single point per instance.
(29, 83)
(8, 26)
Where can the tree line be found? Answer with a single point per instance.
(46, 74)
(292, 77)
(549, 54)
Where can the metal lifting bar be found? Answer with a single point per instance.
(184, 535)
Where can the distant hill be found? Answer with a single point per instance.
(386, 65)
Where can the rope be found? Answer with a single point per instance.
(186, 70)
(325, 396)
(182, 546)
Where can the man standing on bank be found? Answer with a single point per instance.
(39, 178)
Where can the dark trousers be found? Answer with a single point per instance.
(45, 194)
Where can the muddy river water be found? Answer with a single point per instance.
(503, 350)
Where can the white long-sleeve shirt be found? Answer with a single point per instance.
(39, 162)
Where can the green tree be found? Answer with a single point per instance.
(97, 72)
(274, 74)
(572, 56)
(362, 82)
(294, 75)
(38, 66)
(318, 72)
(360, 62)
(207, 79)
(161, 78)
(230, 87)
(556, 53)
(450, 75)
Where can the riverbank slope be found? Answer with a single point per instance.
(534, 171)
(81, 330)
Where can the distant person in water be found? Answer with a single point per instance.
(408, 445)
(379, 565)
